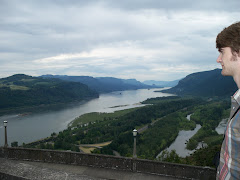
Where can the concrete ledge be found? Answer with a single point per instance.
(110, 162)
(52, 171)
(175, 170)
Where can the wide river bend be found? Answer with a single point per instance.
(37, 125)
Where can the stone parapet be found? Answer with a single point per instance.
(110, 162)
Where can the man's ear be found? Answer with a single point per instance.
(236, 55)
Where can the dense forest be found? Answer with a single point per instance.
(27, 91)
(163, 119)
(207, 83)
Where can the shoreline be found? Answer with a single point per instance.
(56, 109)
(40, 108)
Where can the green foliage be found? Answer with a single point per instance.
(97, 117)
(53, 134)
(214, 140)
(203, 156)
(169, 157)
(164, 132)
(26, 91)
(184, 123)
(160, 99)
(209, 116)
(192, 144)
(14, 144)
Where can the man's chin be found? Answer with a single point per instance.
(224, 73)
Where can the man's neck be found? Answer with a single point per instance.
(236, 78)
(236, 75)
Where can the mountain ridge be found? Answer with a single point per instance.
(205, 83)
(103, 84)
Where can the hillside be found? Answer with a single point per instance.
(23, 91)
(103, 84)
(207, 83)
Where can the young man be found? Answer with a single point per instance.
(228, 45)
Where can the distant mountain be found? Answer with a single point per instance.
(207, 83)
(21, 90)
(103, 84)
(161, 83)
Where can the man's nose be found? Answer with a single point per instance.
(219, 59)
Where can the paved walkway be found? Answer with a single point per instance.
(39, 170)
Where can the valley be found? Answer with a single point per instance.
(104, 125)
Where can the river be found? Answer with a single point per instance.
(37, 125)
(180, 142)
(179, 145)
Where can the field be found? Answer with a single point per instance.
(97, 116)
(87, 148)
(13, 87)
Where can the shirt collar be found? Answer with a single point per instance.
(236, 96)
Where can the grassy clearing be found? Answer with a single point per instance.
(27, 80)
(102, 144)
(3, 85)
(92, 147)
(97, 116)
(15, 87)
(86, 150)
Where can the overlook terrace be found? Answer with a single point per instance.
(20, 163)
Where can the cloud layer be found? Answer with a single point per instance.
(128, 39)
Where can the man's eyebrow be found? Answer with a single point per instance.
(220, 50)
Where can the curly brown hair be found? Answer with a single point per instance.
(229, 37)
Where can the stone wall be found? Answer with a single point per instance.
(112, 162)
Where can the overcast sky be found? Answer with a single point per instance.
(141, 39)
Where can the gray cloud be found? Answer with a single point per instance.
(141, 39)
(177, 5)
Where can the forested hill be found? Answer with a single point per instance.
(103, 84)
(207, 83)
(24, 91)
